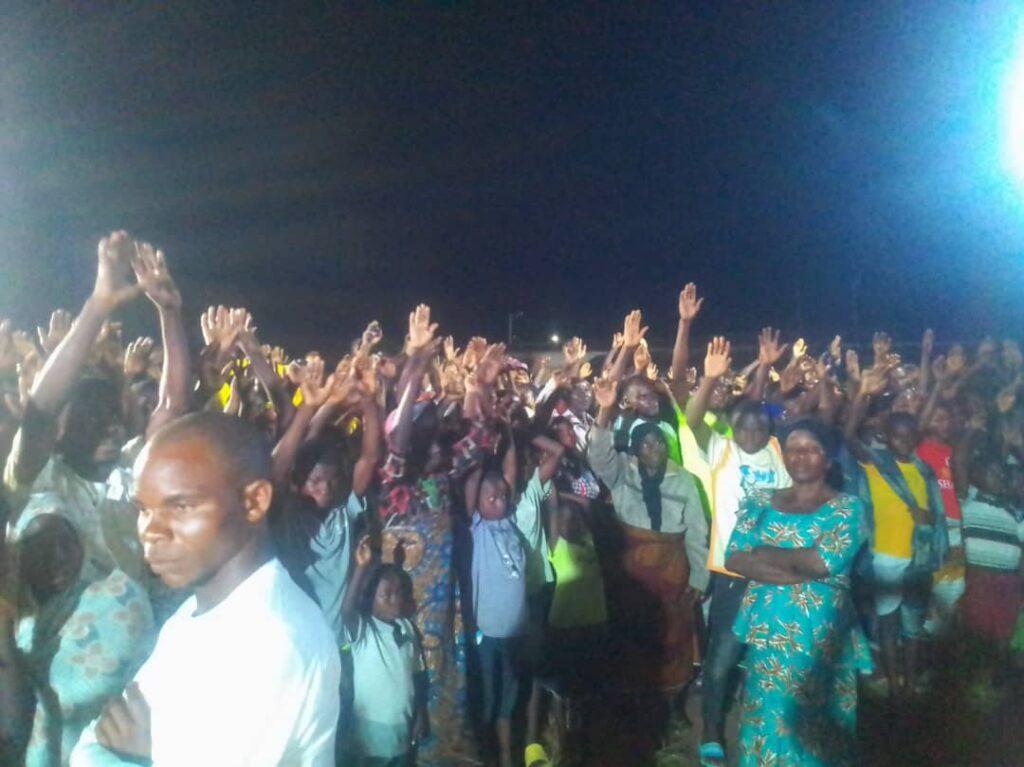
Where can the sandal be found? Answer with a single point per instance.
(711, 755)
(536, 756)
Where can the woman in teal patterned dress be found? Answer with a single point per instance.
(804, 645)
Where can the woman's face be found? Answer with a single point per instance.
(323, 486)
(51, 556)
(653, 453)
(804, 457)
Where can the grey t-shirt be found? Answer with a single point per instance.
(499, 578)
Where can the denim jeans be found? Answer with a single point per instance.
(724, 653)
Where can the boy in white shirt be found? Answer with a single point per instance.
(751, 460)
(246, 672)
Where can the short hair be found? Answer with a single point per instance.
(899, 418)
(750, 409)
(237, 442)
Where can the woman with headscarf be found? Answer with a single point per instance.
(663, 565)
(75, 642)
(797, 547)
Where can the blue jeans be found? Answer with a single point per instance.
(725, 650)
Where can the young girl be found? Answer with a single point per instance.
(499, 567)
(389, 707)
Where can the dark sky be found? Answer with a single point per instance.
(817, 166)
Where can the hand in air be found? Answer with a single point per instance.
(136, 357)
(632, 331)
(769, 351)
(689, 304)
(605, 390)
(421, 329)
(60, 324)
(114, 286)
(154, 278)
(718, 359)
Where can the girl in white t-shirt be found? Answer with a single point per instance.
(389, 701)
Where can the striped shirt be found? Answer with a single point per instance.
(993, 535)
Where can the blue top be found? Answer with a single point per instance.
(499, 577)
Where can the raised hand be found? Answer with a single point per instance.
(372, 336)
(632, 332)
(928, 343)
(364, 554)
(136, 357)
(8, 354)
(956, 360)
(835, 349)
(490, 364)
(718, 359)
(154, 278)
(450, 352)
(421, 329)
(641, 357)
(474, 351)
(881, 344)
(605, 390)
(315, 389)
(689, 304)
(113, 286)
(574, 350)
(874, 381)
(1013, 360)
(852, 365)
(799, 349)
(651, 371)
(769, 351)
(617, 340)
(60, 324)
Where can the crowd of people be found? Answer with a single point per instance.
(240, 557)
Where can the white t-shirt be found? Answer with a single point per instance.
(734, 474)
(253, 682)
(385, 659)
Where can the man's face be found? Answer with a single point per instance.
(192, 514)
(641, 399)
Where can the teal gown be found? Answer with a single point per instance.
(804, 643)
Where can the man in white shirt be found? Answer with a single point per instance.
(246, 672)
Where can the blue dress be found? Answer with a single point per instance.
(804, 644)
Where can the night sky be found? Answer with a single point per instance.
(818, 166)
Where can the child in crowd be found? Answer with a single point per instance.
(910, 540)
(750, 460)
(499, 582)
(389, 704)
(993, 536)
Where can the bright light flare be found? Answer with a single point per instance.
(1014, 110)
(555, 338)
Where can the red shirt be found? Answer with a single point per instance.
(937, 455)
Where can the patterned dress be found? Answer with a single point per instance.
(804, 643)
(79, 651)
(419, 533)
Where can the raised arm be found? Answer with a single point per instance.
(769, 351)
(155, 279)
(689, 307)
(632, 334)
(356, 581)
(49, 393)
(716, 365)
(927, 347)
(551, 456)
(606, 463)
(315, 392)
(872, 382)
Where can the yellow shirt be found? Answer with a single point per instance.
(894, 526)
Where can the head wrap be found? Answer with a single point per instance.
(650, 484)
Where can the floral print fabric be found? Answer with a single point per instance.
(804, 645)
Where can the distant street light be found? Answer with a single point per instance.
(554, 338)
